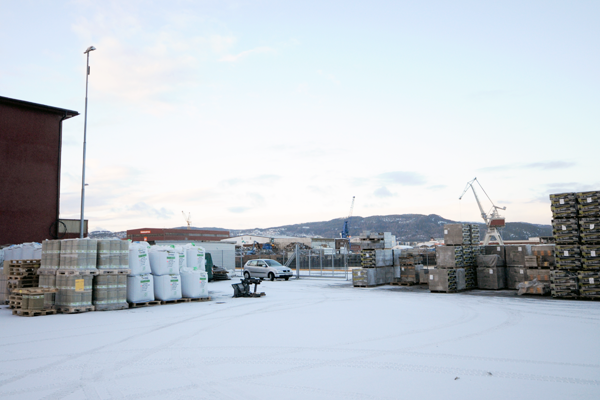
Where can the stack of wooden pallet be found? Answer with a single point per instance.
(576, 229)
(21, 274)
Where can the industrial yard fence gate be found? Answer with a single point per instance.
(322, 264)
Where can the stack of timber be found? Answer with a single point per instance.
(376, 258)
(376, 240)
(515, 275)
(32, 302)
(544, 254)
(377, 263)
(458, 234)
(447, 280)
(370, 277)
(491, 273)
(407, 272)
(449, 256)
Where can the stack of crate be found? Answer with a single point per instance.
(588, 208)
(537, 272)
(408, 271)
(567, 254)
(446, 280)
(376, 260)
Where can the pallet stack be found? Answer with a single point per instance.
(447, 280)
(109, 286)
(376, 260)
(576, 229)
(407, 272)
(32, 302)
(21, 274)
(456, 260)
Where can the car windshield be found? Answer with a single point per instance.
(273, 263)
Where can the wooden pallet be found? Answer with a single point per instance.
(35, 290)
(145, 304)
(165, 302)
(33, 313)
(403, 283)
(114, 271)
(111, 307)
(367, 286)
(198, 299)
(74, 310)
(77, 272)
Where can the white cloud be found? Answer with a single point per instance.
(246, 53)
(383, 192)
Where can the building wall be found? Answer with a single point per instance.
(30, 147)
(154, 234)
(223, 254)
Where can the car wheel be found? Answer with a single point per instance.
(286, 278)
(271, 276)
(246, 274)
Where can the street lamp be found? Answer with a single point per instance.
(87, 74)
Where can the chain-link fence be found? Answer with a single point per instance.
(313, 263)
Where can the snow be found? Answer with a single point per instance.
(310, 339)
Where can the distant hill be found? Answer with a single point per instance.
(406, 227)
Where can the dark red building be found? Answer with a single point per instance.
(154, 234)
(30, 151)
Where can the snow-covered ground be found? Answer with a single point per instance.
(310, 339)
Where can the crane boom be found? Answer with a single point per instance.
(493, 220)
(470, 185)
(345, 231)
(351, 207)
(188, 219)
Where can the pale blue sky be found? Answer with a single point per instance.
(264, 113)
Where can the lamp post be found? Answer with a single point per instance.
(87, 74)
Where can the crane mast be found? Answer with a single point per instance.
(345, 232)
(188, 219)
(493, 221)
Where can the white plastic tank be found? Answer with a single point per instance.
(195, 256)
(163, 261)
(139, 258)
(140, 288)
(167, 287)
(194, 284)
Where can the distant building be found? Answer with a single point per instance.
(196, 235)
(279, 241)
(30, 157)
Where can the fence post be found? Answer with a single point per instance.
(321, 260)
(297, 263)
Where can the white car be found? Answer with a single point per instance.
(265, 268)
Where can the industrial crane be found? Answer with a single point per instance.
(493, 221)
(188, 219)
(345, 233)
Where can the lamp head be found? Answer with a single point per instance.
(91, 48)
